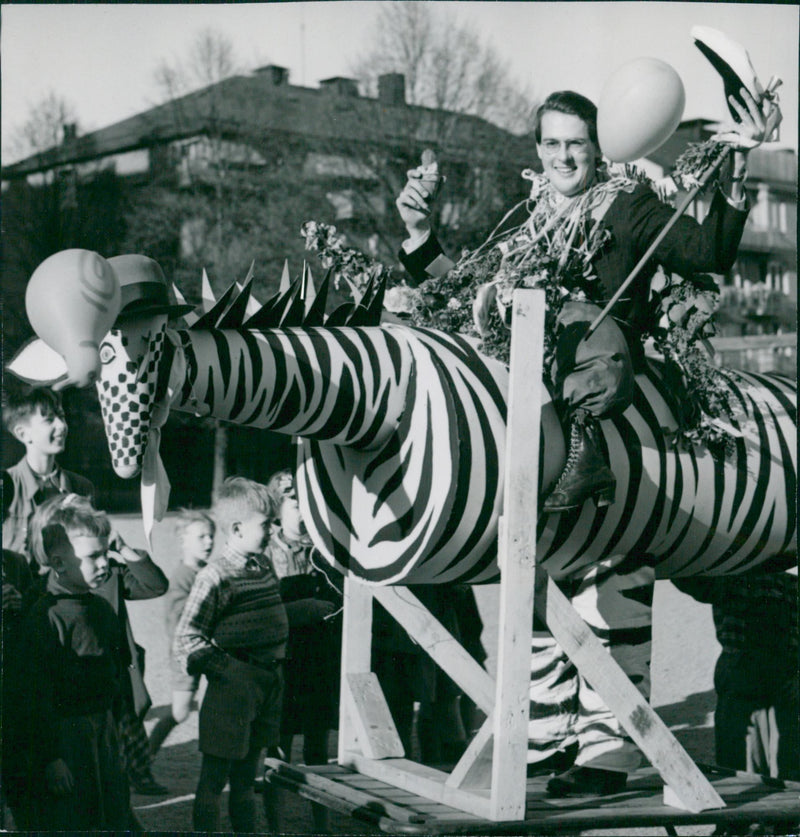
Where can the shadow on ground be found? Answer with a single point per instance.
(691, 722)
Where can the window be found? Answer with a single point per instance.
(193, 235)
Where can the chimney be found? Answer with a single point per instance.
(278, 76)
(392, 89)
(70, 130)
(340, 86)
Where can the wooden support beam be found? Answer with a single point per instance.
(442, 646)
(474, 768)
(516, 557)
(424, 781)
(356, 655)
(375, 729)
(689, 788)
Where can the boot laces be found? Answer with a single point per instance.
(572, 455)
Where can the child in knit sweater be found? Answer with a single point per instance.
(234, 631)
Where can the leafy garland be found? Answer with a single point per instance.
(697, 158)
(704, 393)
(553, 250)
(349, 266)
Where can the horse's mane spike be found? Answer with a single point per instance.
(375, 305)
(340, 316)
(315, 310)
(295, 309)
(212, 318)
(298, 304)
(368, 311)
(272, 312)
(237, 310)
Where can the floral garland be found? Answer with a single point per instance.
(694, 161)
(689, 369)
(553, 250)
(348, 266)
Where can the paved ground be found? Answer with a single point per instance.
(683, 661)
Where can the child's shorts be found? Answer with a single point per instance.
(241, 710)
(179, 680)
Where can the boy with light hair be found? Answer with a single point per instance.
(234, 631)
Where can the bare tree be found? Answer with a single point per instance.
(216, 204)
(44, 127)
(447, 65)
(53, 211)
(221, 196)
(210, 58)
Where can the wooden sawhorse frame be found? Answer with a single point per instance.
(490, 779)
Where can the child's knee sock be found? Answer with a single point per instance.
(242, 809)
(213, 775)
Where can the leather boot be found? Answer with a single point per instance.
(587, 781)
(585, 473)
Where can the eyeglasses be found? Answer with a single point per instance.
(578, 147)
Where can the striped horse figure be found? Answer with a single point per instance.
(400, 459)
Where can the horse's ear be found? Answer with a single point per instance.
(37, 364)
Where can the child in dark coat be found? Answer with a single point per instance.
(70, 675)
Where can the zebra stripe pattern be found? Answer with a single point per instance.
(690, 511)
(615, 598)
(400, 466)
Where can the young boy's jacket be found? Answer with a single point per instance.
(30, 492)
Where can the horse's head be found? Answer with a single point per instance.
(101, 321)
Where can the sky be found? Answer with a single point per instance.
(101, 58)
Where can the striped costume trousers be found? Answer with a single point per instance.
(616, 600)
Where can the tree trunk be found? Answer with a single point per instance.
(220, 455)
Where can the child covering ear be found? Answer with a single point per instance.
(70, 675)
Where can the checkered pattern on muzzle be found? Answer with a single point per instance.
(126, 390)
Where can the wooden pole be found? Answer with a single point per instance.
(772, 86)
(516, 557)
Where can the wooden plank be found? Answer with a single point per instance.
(374, 725)
(352, 796)
(751, 798)
(625, 701)
(443, 648)
(474, 768)
(356, 653)
(424, 781)
(516, 557)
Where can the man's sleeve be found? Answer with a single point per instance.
(427, 261)
(689, 247)
(193, 646)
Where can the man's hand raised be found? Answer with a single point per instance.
(421, 189)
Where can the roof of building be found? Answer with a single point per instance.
(283, 109)
(331, 113)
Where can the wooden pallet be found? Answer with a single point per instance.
(749, 798)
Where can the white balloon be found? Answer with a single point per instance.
(72, 300)
(639, 108)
